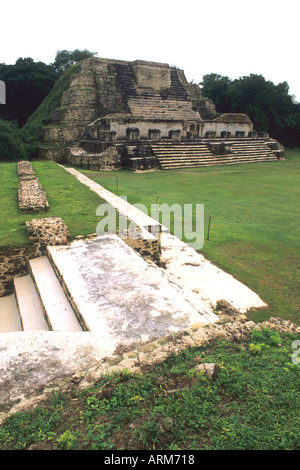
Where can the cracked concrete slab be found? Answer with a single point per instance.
(122, 298)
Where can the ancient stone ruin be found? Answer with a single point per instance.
(143, 115)
(31, 196)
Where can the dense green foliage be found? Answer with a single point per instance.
(22, 144)
(269, 106)
(27, 84)
(33, 90)
(64, 59)
(252, 404)
(12, 146)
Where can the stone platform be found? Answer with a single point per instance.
(98, 297)
(121, 298)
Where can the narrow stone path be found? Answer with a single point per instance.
(183, 263)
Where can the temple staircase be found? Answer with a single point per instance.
(38, 303)
(95, 286)
(172, 103)
(198, 153)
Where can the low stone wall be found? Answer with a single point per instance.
(25, 168)
(140, 240)
(13, 263)
(144, 243)
(108, 160)
(49, 231)
(31, 196)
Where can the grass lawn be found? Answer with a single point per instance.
(251, 404)
(255, 231)
(67, 198)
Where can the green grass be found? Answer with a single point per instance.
(252, 404)
(67, 198)
(255, 232)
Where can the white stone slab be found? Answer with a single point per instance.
(54, 301)
(9, 315)
(122, 298)
(29, 304)
(204, 278)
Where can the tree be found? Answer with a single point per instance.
(269, 106)
(65, 58)
(27, 84)
(215, 87)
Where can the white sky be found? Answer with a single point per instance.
(229, 37)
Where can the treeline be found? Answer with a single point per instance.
(28, 84)
(269, 106)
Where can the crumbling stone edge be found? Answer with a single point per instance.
(231, 327)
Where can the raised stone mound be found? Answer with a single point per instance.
(49, 231)
(25, 169)
(31, 196)
(113, 111)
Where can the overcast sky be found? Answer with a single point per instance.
(232, 37)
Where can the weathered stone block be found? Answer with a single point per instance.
(48, 231)
(25, 168)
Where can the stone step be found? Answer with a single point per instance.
(208, 155)
(218, 158)
(204, 157)
(10, 320)
(57, 309)
(122, 298)
(181, 155)
(187, 154)
(193, 165)
(31, 312)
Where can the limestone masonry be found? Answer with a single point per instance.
(144, 115)
(31, 196)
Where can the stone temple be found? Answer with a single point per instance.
(145, 115)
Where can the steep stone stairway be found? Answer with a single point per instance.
(103, 287)
(38, 303)
(150, 103)
(193, 154)
(152, 106)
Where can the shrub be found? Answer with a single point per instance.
(12, 145)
